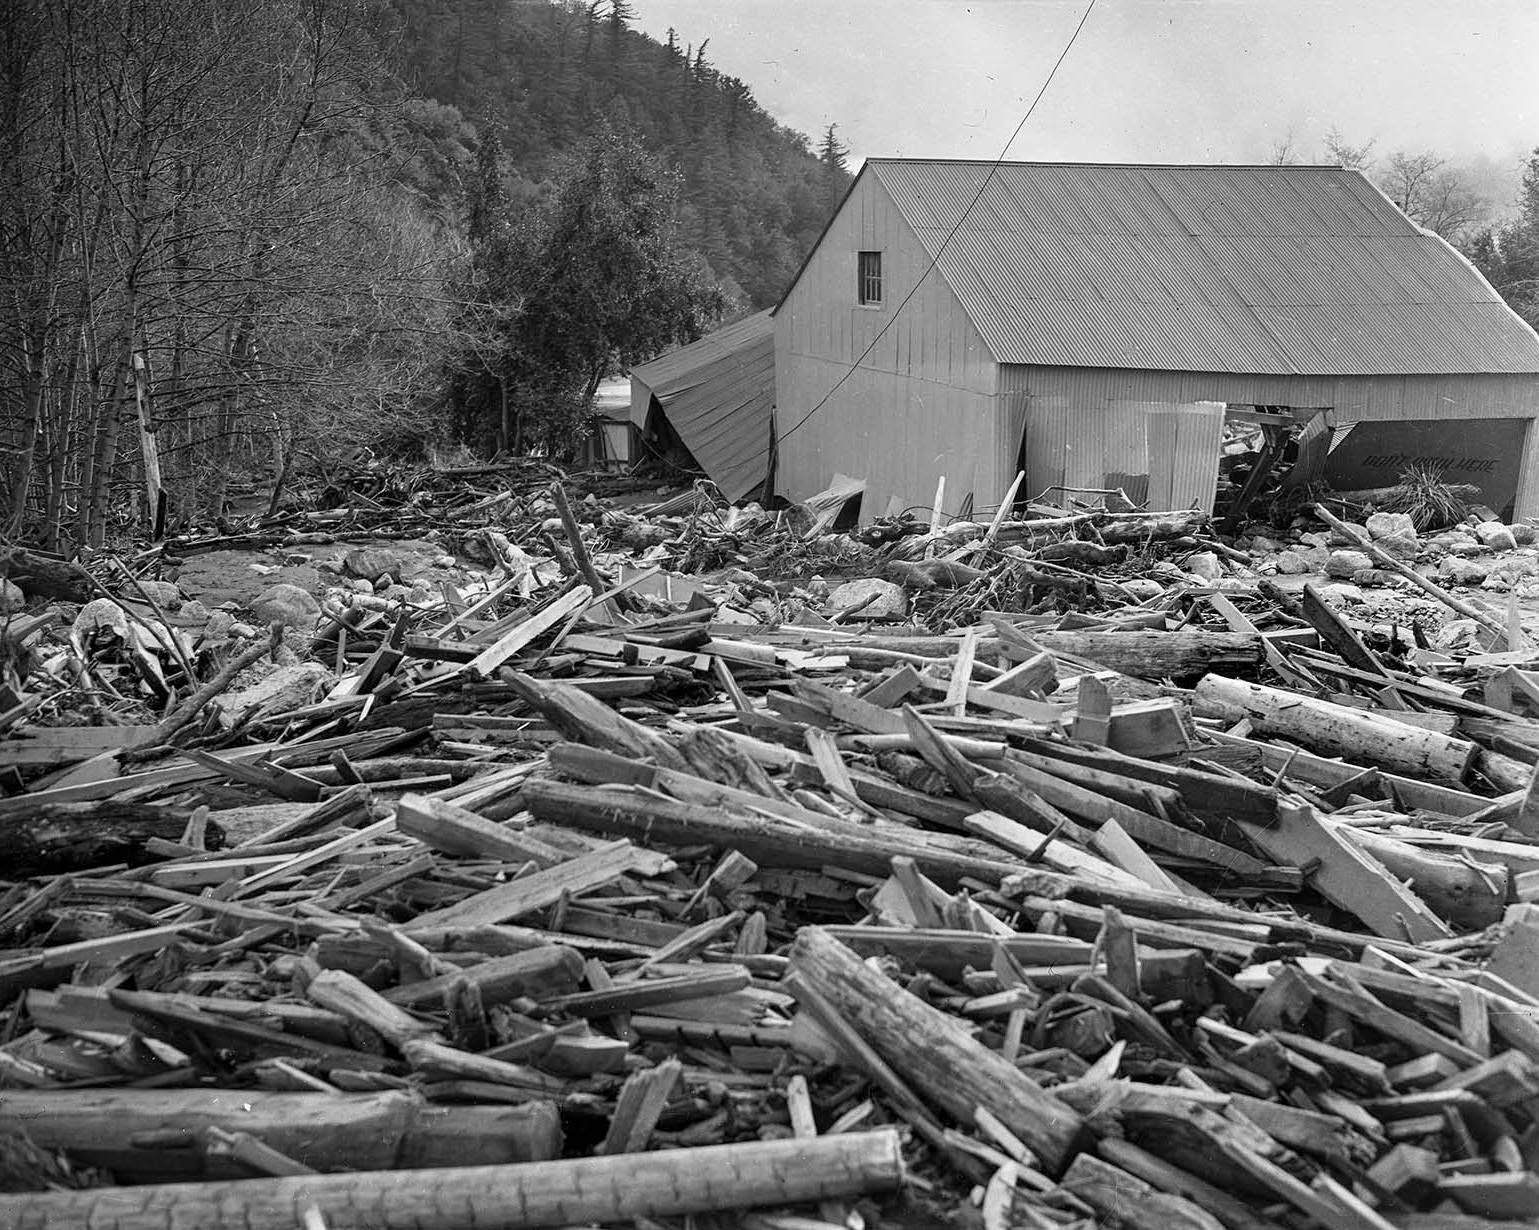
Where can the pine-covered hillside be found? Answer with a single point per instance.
(539, 75)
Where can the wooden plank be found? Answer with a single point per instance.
(1347, 876)
(542, 888)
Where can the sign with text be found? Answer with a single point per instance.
(1485, 453)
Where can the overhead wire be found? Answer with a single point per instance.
(945, 243)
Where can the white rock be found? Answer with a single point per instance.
(1496, 536)
(1263, 546)
(1339, 593)
(1206, 565)
(1291, 564)
(1143, 588)
(195, 612)
(1347, 563)
(888, 601)
(1318, 539)
(101, 615)
(1391, 525)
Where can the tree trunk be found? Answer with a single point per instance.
(934, 1051)
(626, 1187)
(1360, 735)
(155, 1135)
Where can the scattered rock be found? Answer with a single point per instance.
(1292, 564)
(1347, 563)
(167, 595)
(1315, 539)
(1340, 594)
(1461, 571)
(1143, 588)
(282, 688)
(11, 597)
(101, 615)
(1523, 534)
(887, 601)
(1391, 525)
(1205, 565)
(372, 563)
(288, 604)
(1495, 535)
(193, 611)
(1264, 546)
(1374, 577)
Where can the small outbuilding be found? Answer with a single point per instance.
(1096, 325)
(715, 397)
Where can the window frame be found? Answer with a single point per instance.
(867, 281)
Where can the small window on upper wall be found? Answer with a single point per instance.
(868, 279)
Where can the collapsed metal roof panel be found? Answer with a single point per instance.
(718, 394)
(1259, 270)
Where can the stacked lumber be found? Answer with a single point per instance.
(1204, 911)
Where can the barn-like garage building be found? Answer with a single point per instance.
(1093, 323)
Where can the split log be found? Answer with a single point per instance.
(1360, 735)
(934, 1052)
(1143, 654)
(155, 1135)
(55, 839)
(770, 842)
(42, 576)
(625, 1187)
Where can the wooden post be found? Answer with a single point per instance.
(625, 1187)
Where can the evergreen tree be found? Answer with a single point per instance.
(833, 152)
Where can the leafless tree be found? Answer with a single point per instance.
(205, 267)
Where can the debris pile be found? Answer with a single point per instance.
(1062, 871)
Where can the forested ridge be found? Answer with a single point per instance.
(238, 237)
(539, 75)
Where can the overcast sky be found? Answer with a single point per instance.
(1148, 80)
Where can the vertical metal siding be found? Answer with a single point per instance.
(1183, 455)
(921, 404)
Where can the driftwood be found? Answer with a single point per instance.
(43, 576)
(153, 1135)
(60, 838)
(1360, 735)
(553, 1193)
(933, 1052)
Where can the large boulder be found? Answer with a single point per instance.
(1460, 571)
(875, 598)
(287, 604)
(167, 595)
(1347, 564)
(99, 618)
(1391, 525)
(1495, 535)
(1206, 565)
(372, 563)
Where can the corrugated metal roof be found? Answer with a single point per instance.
(718, 394)
(1259, 270)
